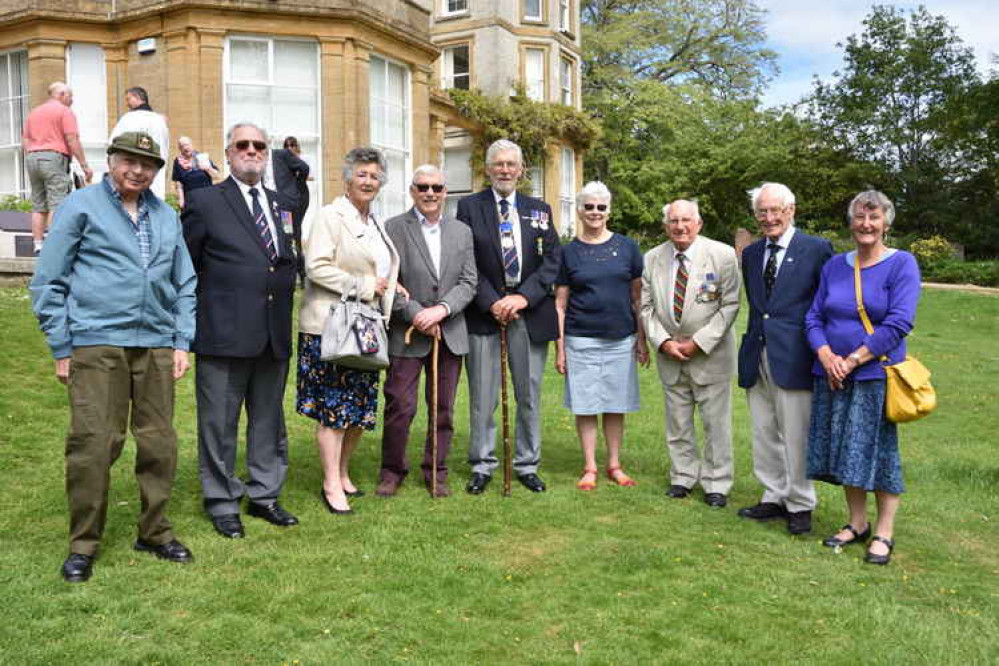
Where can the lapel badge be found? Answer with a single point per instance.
(541, 245)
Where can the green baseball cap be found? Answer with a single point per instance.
(137, 143)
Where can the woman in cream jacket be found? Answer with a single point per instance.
(347, 250)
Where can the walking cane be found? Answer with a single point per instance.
(507, 458)
(433, 409)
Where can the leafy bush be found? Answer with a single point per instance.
(12, 202)
(931, 251)
(172, 201)
(951, 271)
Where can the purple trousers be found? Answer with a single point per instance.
(401, 389)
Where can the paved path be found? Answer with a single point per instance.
(993, 291)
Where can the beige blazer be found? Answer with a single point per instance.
(707, 319)
(336, 255)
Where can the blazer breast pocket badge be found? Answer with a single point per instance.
(709, 290)
(286, 221)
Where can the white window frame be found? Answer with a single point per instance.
(94, 144)
(316, 164)
(539, 17)
(566, 69)
(567, 193)
(541, 95)
(454, 7)
(448, 76)
(565, 16)
(8, 102)
(537, 173)
(407, 105)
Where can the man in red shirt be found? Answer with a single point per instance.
(50, 138)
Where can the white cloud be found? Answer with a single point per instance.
(804, 35)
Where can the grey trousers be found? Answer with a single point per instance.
(714, 470)
(527, 366)
(780, 441)
(223, 385)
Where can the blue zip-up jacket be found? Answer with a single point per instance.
(91, 288)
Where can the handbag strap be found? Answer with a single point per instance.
(861, 310)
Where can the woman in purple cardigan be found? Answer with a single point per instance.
(850, 442)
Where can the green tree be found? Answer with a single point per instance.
(717, 43)
(901, 87)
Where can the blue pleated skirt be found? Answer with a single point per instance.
(850, 442)
(601, 375)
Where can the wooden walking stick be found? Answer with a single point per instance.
(435, 349)
(507, 458)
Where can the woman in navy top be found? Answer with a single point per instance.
(598, 300)
(191, 170)
(851, 442)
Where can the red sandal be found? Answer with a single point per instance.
(582, 484)
(617, 475)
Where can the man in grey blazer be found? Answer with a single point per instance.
(690, 298)
(437, 267)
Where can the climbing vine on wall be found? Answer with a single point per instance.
(529, 124)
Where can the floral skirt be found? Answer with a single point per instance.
(337, 397)
(850, 442)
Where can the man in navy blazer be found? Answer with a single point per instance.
(246, 273)
(517, 254)
(781, 273)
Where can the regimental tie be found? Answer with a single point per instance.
(679, 287)
(511, 264)
(261, 222)
(770, 272)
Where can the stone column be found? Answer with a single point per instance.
(420, 117)
(208, 95)
(115, 66)
(333, 84)
(46, 65)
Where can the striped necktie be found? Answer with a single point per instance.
(679, 287)
(511, 264)
(261, 222)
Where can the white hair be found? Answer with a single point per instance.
(782, 191)
(244, 123)
(593, 190)
(692, 202)
(869, 200)
(500, 146)
(428, 170)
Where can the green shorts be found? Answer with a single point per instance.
(48, 172)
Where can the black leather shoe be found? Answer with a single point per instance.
(354, 495)
(799, 522)
(858, 537)
(678, 492)
(478, 483)
(532, 482)
(332, 509)
(173, 551)
(273, 513)
(763, 511)
(229, 526)
(871, 558)
(77, 568)
(716, 500)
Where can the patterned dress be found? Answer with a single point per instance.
(337, 397)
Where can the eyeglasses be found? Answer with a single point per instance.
(423, 187)
(244, 144)
(600, 207)
(762, 213)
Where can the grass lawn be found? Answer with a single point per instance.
(619, 575)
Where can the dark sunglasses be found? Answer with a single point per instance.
(601, 207)
(423, 187)
(244, 144)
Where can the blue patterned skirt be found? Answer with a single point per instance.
(337, 397)
(850, 442)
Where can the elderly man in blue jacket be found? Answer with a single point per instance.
(114, 293)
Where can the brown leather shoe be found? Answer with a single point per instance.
(387, 487)
(443, 490)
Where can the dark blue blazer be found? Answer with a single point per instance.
(779, 322)
(244, 299)
(539, 261)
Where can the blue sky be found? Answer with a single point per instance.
(804, 35)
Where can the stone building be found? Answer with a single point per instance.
(334, 73)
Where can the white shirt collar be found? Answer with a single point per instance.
(689, 252)
(785, 238)
(512, 198)
(245, 188)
